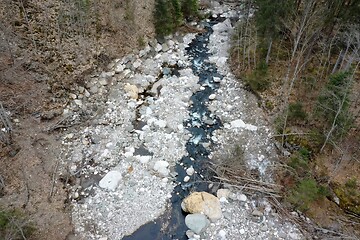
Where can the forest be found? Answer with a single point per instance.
(301, 58)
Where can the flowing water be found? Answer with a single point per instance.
(201, 125)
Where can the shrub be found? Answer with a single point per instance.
(257, 80)
(300, 162)
(306, 192)
(296, 112)
(13, 225)
(351, 183)
(349, 196)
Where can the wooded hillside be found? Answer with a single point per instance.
(302, 60)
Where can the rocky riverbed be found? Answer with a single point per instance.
(119, 163)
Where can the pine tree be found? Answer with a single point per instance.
(162, 15)
(190, 8)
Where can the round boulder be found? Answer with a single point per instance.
(203, 202)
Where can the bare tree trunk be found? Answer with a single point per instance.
(268, 52)
(340, 108)
(337, 62)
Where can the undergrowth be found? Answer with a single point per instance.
(14, 225)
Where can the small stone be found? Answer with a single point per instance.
(217, 79)
(72, 96)
(212, 96)
(165, 47)
(197, 222)
(242, 231)
(143, 159)
(223, 193)
(166, 71)
(81, 89)
(158, 48)
(287, 153)
(190, 171)
(186, 179)
(222, 234)
(137, 63)
(78, 102)
(242, 197)
(94, 89)
(257, 213)
(119, 68)
(161, 123)
(69, 136)
(161, 167)
(75, 195)
(132, 91)
(87, 94)
(111, 180)
(103, 81)
(294, 236)
(190, 234)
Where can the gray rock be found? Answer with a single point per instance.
(162, 167)
(223, 193)
(103, 81)
(197, 222)
(166, 71)
(242, 197)
(153, 43)
(165, 47)
(78, 102)
(217, 79)
(137, 63)
(190, 234)
(158, 48)
(212, 96)
(119, 68)
(94, 89)
(111, 180)
(190, 171)
(257, 213)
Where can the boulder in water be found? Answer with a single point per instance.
(203, 202)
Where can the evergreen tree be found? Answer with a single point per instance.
(177, 16)
(162, 16)
(190, 8)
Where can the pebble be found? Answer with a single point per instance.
(242, 197)
(103, 81)
(212, 96)
(222, 234)
(257, 213)
(223, 193)
(186, 178)
(190, 171)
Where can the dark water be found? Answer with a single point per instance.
(202, 123)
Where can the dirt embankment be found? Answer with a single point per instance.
(47, 49)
